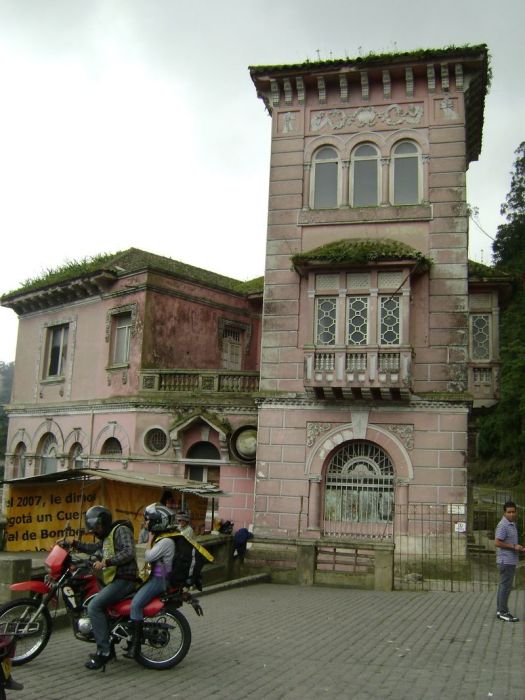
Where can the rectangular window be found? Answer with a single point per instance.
(325, 185)
(406, 181)
(232, 348)
(56, 352)
(357, 320)
(326, 320)
(365, 183)
(389, 320)
(480, 336)
(121, 338)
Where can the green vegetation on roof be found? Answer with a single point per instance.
(362, 251)
(134, 260)
(477, 270)
(372, 58)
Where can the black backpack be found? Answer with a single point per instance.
(188, 561)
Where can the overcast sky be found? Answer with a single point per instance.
(135, 122)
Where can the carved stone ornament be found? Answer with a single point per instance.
(404, 432)
(313, 430)
(365, 117)
(289, 123)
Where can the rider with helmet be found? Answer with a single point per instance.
(118, 568)
(159, 555)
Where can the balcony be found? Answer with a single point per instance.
(367, 374)
(205, 381)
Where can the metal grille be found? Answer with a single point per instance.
(326, 312)
(480, 336)
(357, 320)
(327, 282)
(389, 326)
(359, 491)
(358, 280)
(389, 280)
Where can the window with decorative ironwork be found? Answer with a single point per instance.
(370, 318)
(480, 337)
(359, 485)
(111, 446)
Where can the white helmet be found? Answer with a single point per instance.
(158, 517)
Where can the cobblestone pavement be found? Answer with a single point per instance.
(274, 642)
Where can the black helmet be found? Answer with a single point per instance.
(99, 520)
(158, 517)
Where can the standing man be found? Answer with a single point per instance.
(183, 525)
(507, 556)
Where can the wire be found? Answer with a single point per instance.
(480, 228)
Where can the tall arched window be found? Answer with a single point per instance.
(19, 461)
(48, 454)
(365, 176)
(325, 178)
(406, 173)
(75, 460)
(359, 490)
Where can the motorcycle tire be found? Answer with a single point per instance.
(31, 645)
(166, 640)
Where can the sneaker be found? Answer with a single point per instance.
(507, 617)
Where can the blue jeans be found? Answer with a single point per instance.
(154, 586)
(506, 577)
(112, 593)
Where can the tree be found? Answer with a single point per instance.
(502, 431)
(509, 245)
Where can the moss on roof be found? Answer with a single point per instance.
(372, 59)
(362, 251)
(477, 270)
(134, 260)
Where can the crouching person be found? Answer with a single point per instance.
(159, 555)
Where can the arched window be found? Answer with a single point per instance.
(359, 490)
(406, 175)
(75, 460)
(19, 461)
(111, 447)
(48, 453)
(203, 472)
(365, 176)
(325, 178)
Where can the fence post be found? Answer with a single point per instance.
(384, 570)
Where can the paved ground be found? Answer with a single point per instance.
(275, 642)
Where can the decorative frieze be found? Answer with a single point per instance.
(274, 90)
(404, 432)
(366, 117)
(313, 430)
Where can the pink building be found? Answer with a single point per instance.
(344, 399)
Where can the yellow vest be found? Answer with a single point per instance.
(108, 550)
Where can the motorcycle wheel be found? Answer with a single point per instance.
(164, 648)
(28, 646)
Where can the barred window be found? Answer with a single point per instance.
(480, 336)
(326, 319)
(389, 320)
(357, 315)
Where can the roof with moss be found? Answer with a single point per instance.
(101, 270)
(373, 59)
(481, 272)
(361, 251)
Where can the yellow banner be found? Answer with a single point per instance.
(37, 516)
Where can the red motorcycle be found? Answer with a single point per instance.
(166, 632)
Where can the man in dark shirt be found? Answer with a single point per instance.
(507, 556)
(119, 570)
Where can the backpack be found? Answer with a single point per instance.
(188, 561)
